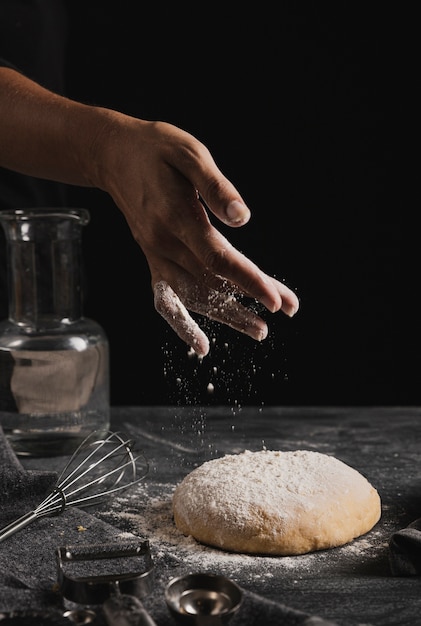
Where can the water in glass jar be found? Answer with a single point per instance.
(54, 389)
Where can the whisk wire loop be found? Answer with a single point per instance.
(66, 480)
(116, 486)
(96, 446)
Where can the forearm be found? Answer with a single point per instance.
(45, 135)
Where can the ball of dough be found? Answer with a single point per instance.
(273, 502)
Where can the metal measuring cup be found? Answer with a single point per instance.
(203, 599)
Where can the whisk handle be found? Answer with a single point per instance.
(18, 524)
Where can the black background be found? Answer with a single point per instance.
(301, 107)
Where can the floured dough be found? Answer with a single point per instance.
(273, 502)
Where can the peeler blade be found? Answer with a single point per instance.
(91, 574)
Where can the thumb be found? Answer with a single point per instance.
(220, 196)
(215, 191)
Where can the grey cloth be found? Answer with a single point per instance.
(28, 570)
(256, 611)
(18, 487)
(405, 550)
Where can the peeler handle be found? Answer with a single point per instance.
(123, 610)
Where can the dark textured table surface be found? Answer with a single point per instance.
(352, 584)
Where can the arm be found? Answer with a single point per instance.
(164, 181)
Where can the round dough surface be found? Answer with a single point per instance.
(273, 502)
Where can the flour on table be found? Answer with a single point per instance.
(146, 511)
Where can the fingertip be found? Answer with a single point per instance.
(286, 301)
(271, 304)
(201, 349)
(237, 213)
(288, 304)
(257, 329)
(200, 345)
(263, 333)
(291, 308)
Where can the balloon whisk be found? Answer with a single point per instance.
(102, 465)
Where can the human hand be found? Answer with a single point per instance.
(165, 181)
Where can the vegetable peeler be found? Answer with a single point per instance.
(115, 575)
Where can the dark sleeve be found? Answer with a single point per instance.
(4, 63)
(32, 41)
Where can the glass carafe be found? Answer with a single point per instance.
(54, 362)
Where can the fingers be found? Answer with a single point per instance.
(220, 300)
(169, 305)
(226, 309)
(218, 306)
(222, 261)
(290, 303)
(191, 286)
